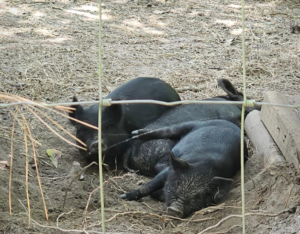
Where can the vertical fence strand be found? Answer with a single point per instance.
(243, 169)
(100, 123)
(242, 118)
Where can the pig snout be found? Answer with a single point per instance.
(175, 211)
(93, 146)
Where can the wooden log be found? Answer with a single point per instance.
(283, 125)
(261, 139)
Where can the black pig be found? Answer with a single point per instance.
(151, 156)
(200, 167)
(119, 120)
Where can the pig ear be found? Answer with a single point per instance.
(78, 113)
(178, 163)
(230, 89)
(112, 114)
(220, 187)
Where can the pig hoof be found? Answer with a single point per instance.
(135, 132)
(172, 211)
(123, 196)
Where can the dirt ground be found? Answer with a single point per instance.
(49, 52)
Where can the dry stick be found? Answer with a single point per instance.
(20, 98)
(52, 130)
(65, 230)
(59, 126)
(11, 165)
(87, 206)
(25, 141)
(188, 220)
(26, 160)
(26, 128)
(45, 208)
(16, 118)
(7, 136)
(66, 116)
(69, 117)
(81, 122)
(9, 97)
(57, 228)
(64, 108)
(90, 196)
(117, 186)
(205, 211)
(163, 218)
(77, 175)
(137, 212)
(27, 172)
(151, 207)
(35, 158)
(62, 215)
(247, 214)
(287, 199)
(35, 163)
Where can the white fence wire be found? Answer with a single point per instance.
(108, 102)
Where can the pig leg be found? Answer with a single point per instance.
(155, 184)
(126, 159)
(172, 132)
(159, 195)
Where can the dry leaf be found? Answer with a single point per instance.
(54, 156)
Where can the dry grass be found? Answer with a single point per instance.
(49, 52)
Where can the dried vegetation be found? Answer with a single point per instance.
(49, 52)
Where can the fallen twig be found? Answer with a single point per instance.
(11, 166)
(76, 176)
(247, 214)
(35, 160)
(90, 196)
(61, 229)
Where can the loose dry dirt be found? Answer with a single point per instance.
(49, 52)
